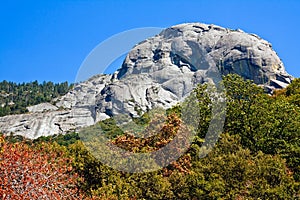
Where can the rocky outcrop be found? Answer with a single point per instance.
(74, 110)
(42, 108)
(164, 69)
(159, 71)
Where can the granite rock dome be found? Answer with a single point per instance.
(159, 71)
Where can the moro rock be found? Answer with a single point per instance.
(158, 72)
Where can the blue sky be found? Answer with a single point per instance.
(49, 40)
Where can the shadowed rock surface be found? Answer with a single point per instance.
(158, 72)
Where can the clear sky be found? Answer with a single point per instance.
(48, 40)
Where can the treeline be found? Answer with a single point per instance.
(256, 157)
(15, 97)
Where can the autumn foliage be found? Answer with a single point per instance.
(40, 171)
(163, 134)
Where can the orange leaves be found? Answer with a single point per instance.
(168, 130)
(31, 172)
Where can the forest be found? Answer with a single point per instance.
(16, 97)
(257, 156)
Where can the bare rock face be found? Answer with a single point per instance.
(42, 107)
(74, 110)
(195, 45)
(164, 69)
(158, 72)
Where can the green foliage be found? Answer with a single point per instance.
(293, 88)
(109, 128)
(14, 98)
(265, 123)
(293, 92)
(63, 140)
(231, 171)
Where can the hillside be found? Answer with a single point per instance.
(256, 156)
(16, 97)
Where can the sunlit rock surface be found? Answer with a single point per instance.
(159, 71)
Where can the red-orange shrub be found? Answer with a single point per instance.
(41, 171)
